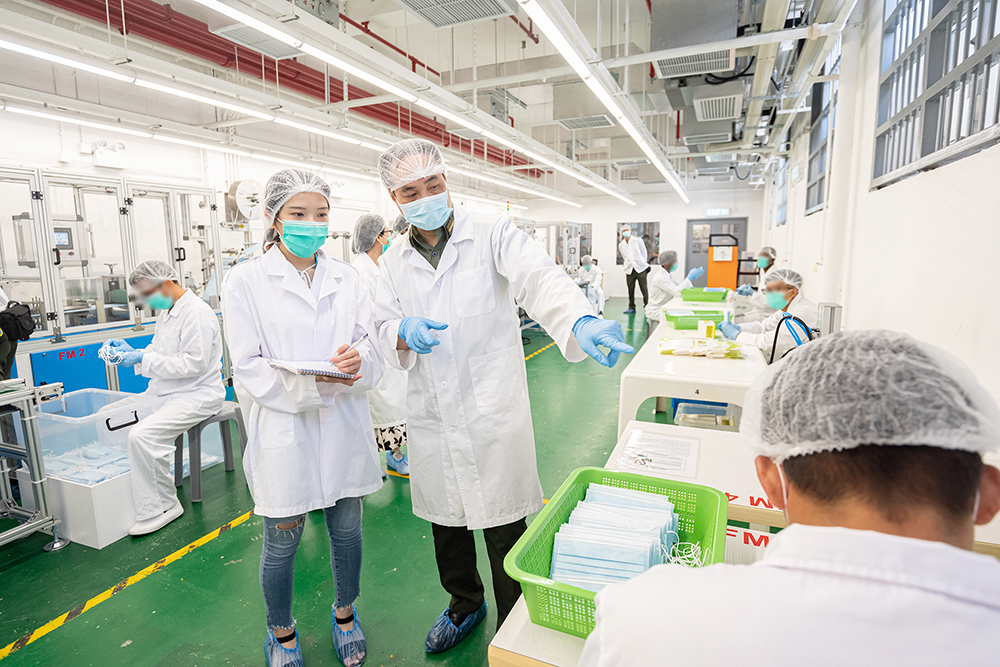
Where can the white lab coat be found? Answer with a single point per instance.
(758, 301)
(468, 421)
(595, 292)
(662, 289)
(626, 253)
(387, 401)
(761, 334)
(310, 444)
(637, 254)
(820, 596)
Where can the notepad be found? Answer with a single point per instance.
(323, 368)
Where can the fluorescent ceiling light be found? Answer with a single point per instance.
(212, 101)
(251, 22)
(78, 121)
(342, 64)
(485, 200)
(52, 58)
(513, 186)
(218, 148)
(315, 130)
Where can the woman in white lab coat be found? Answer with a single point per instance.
(311, 444)
(388, 400)
(663, 287)
(783, 293)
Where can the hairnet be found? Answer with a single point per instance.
(867, 388)
(400, 225)
(768, 251)
(153, 270)
(408, 161)
(366, 230)
(586, 259)
(787, 276)
(287, 183)
(667, 258)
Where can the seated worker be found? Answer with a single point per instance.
(871, 444)
(184, 367)
(663, 287)
(387, 401)
(782, 294)
(758, 300)
(591, 276)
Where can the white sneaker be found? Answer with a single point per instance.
(152, 525)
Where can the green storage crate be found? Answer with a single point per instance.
(691, 321)
(699, 294)
(701, 509)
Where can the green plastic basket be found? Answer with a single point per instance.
(691, 321)
(699, 294)
(702, 512)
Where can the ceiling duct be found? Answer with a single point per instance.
(238, 33)
(721, 157)
(576, 108)
(722, 102)
(678, 23)
(630, 163)
(712, 171)
(714, 132)
(444, 13)
(586, 122)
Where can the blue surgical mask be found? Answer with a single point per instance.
(428, 213)
(626, 234)
(763, 262)
(303, 239)
(158, 301)
(673, 267)
(776, 300)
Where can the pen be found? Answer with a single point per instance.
(356, 342)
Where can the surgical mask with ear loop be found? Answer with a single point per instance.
(784, 492)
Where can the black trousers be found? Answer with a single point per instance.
(455, 550)
(8, 348)
(630, 280)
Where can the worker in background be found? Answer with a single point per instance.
(184, 366)
(387, 401)
(633, 251)
(400, 226)
(311, 445)
(871, 444)
(782, 292)
(445, 311)
(663, 287)
(8, 344)
(591, 276)
(766, 257)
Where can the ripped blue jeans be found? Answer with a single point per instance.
(277, 561)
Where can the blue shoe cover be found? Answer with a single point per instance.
(279, 656)
(444, 635)
(352, 649)
(629, 311)
(400, 467)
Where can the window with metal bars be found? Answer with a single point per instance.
(939, 84)
(823, 115)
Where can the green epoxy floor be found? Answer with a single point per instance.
(206, 608)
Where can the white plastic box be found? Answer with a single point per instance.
(103, 513)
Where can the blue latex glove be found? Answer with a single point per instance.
(132, 357)
(729, 330)
(591, 331)
(416, 333)
(118, 344)
(744, 290)
(696, 273)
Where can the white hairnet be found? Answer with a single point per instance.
(667, 258)
(409, 160)
(768, 251)
(400, 225)
(787, 276)
(366, 230)
(153, 270)
(287, 183)
(586, 259)
(867, 388)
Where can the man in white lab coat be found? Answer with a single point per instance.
(445, 312)
(793, 315)
(871, 443)
(591, 276)
(184, 367)
(633, 252)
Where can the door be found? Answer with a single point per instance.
(698, 233)
(22, 247)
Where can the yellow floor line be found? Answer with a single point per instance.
(537, 352)
(120, 586)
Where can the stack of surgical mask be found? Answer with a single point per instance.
(88, 465)
(613, 535)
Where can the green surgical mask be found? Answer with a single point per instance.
(776, 300)
(763, 262)
(673, 267)
(158, 301)
(385, 246)
(303, 239)
(586, 267)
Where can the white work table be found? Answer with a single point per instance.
(696, 306)
(652, 374)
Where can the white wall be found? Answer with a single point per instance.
(668, 209)
(918, 256)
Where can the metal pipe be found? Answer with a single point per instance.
(363, 27)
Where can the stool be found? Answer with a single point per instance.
(230, 412)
